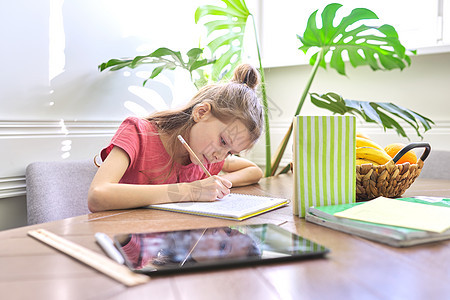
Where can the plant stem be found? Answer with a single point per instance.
(265, 105)
(282, 147)
(310, 80)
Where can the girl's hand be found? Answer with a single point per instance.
(209, 189)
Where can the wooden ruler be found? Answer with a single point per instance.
(97, 261)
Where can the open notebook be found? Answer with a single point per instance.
(233, 206)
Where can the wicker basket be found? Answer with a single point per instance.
(389, 180)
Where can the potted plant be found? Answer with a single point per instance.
(380, 52)
(387, 53)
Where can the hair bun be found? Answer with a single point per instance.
(246, 74)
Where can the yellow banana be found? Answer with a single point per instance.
(362, 142)
(373, 154)
(361, 161)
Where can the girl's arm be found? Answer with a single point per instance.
(241, 171)
(106, 193)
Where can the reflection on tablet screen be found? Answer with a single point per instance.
(209, 247)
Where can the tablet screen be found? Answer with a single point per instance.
(163, 252)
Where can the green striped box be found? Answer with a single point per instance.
(323, 161)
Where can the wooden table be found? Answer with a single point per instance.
(354, 269)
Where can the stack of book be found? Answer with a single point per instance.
(397, 222)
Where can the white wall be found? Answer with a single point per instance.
(55, 104)
(424, 87)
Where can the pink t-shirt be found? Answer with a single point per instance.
(149, 160)
(140, 251)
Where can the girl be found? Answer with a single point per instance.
(146, 163)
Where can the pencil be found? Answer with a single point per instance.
(193, 247)
(193, 154)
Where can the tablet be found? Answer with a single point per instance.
(186, 250)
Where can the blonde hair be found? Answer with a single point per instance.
(234, 100)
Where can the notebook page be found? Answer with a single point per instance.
(234, 205)
(400, 213)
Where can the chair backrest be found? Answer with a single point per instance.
(57, 190)
(436, 165)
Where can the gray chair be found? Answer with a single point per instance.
(436, 165)
(57, 189)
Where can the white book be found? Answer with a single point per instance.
(236, 207)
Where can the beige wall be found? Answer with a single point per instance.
(423, 87)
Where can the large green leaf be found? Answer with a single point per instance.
(164, 58)
(228, 23)
(226, 28)
(377, 47)
(381, 113)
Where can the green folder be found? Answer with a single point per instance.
(391, 235)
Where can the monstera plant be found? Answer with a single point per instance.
(230, 23)
(226, 26)
(165, 59)
(380, 51)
